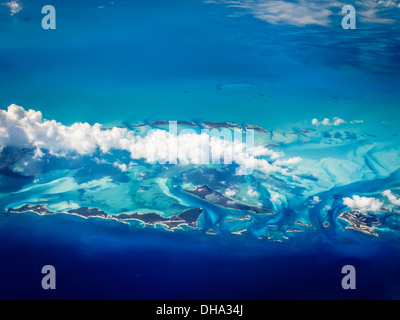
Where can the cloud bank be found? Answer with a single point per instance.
(28, 129)
(363, 203)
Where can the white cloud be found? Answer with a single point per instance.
(369, 12)
(14, 6)
(316, 199)
(250, 163)
(252, 192)
(290, 161)
(391, 197)
(262, 151)
(121, 166)
(336, 121)
(22, 128)
(363, 203)
(230, 192)
(389, 3)
(303, 13)
(371, 15)
(299, 13)
(327, 122)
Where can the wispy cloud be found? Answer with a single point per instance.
(389, 3)
(303, 13)
(391, 197)
(298, 13)
(371, 16)
(369, 12)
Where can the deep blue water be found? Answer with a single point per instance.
(95, 259)
(193, 60)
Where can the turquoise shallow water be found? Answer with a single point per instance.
(121, 64)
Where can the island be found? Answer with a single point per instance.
(206, 193)
(42, 209)
(239, 232)
(188, 217)
(246, 217)
(255, 128)
(360, 221)
(305, 131)
(167, 122)
(222, 125)
(39, 209)
(88, 212)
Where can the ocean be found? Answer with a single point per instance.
(96, 260)
(126, 63)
